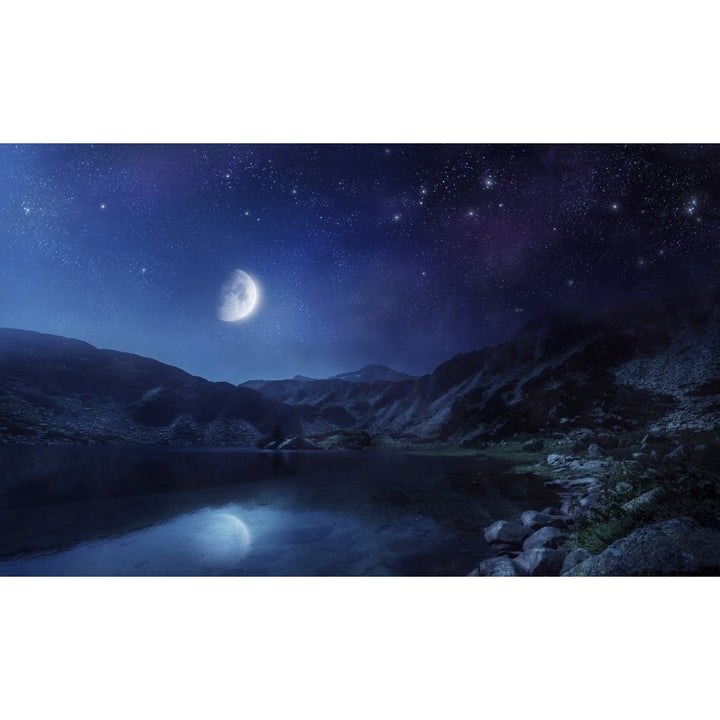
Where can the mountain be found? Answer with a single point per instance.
(373, 373)
(55, 389)
(650, 365)
(324, 406)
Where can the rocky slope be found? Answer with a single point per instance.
(53, 389)
(653, 366)
(648, 368)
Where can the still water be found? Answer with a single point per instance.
(148, 511)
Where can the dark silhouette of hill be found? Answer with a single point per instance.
(650, 365)
(57, 389)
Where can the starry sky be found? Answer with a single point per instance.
(403, 255)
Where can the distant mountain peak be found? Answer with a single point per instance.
(373, 373)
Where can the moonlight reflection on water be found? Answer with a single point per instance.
(165, 512)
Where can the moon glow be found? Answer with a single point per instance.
(238, 297)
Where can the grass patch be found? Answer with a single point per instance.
(514, 453)
(688, 490)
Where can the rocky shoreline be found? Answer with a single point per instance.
(545, 542)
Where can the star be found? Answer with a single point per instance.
(102, 206)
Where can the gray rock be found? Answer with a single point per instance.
(676, 455)
(555, 484)
(535, 520)
(589, 500)
(296, 443)
(590, 465)
(502, 548)
(654, 437)
(497, 567)
(584, 483)
(573, 558)
(544, 561)
(595, 450)
(533, 445)
(545, 537)
(570, 507)
(504, 531)
(556, 459)
(522, 563)
(680, 546)
(642, 500)
(622, 488)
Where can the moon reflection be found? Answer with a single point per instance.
(222, 537)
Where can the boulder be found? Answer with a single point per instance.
(570, 507)
(622, 488)
(590, 465)
(542, 561)
(587, 501)
(677, 455)
(497, 567)
(504, 531)
(296, 443)
(545, 537)
(584, 483)
(533, 445)
(594, 450)
(556, 459)
(642, 500)
(573, 558)
(680, 546)
(653, 438)
(535, 520)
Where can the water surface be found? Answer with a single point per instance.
(150, 511)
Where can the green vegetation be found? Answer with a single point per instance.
(686, 489)
(521, 459)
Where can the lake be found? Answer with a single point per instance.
(109, 511)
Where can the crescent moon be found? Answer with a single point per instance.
(238, 297)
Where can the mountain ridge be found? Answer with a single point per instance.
(54, 388)
(643, 366)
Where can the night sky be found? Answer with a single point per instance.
(402, 255)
